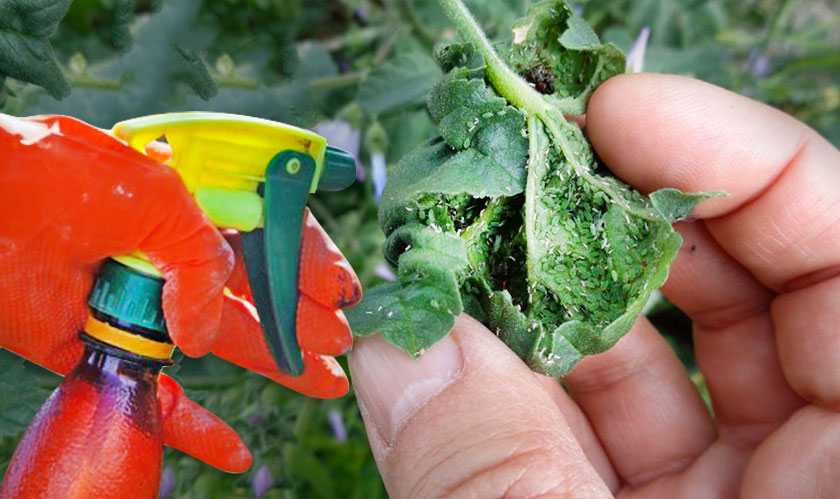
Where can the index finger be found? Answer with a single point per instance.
(778, 229)
(658, 131)
(325, 275)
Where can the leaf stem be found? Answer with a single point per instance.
(364, 35)
(304, 418)
(501, 76)
(567, 137)
(323, 214)
(510, 85)
(534, 157)
(337, 81)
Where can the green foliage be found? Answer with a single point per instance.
(25, 51)
(782, 52)
(166, 71)
(673, 205)
(303, 62)
(20, 396)
(259, 58)
(417, 310)
(400, 83)
(289, 433)
(560, 271)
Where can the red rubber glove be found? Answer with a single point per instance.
(72, 195)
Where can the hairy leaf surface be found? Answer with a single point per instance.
(553, 253)
(398, 84)
(419, 308)
(25, 51)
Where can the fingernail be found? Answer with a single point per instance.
(392, 386)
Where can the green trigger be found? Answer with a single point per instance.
(272, 255)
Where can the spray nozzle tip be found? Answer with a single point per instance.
(339, 170)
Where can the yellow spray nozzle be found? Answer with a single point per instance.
(222, 158)
(255, 176)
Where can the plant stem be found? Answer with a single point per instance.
(365, 35)
(534, 157)
(337, 81)
(518, 92)
(304, 418)
(509, 85)
(323, 214)
(504, 80)
(782, 18)
(88, 81)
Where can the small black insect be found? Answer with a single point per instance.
(542, 78)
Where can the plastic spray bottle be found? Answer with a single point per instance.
(99, 435)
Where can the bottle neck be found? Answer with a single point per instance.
(101, 359)
(127, 337)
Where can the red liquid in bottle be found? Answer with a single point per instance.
(99, 435)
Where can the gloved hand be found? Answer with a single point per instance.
(73, 195)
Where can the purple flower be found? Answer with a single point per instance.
(758, 64)
(361, 13)
(255, 420)
(378, 173)
(761, 66)
(262, 481)
(167, 482)
(636, 55)
(341, 134)
(383, 271)
(337, 423)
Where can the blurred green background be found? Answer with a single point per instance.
(360, 70)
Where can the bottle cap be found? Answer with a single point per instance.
(131, 297)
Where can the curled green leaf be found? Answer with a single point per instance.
(558, 53)
(555, 255)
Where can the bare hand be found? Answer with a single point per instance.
(759, 274)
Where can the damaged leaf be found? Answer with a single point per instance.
(508, 215)
(559, 54)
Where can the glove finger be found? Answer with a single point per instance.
(322, 377)
(238, 281)
(321, 329)
(102, 198)
(243, 344)
(195, 261)
(194, 430)
(195, 269)
(325, 275)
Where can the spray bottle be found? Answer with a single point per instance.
(99, 434)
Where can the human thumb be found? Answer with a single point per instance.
(468, 418)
